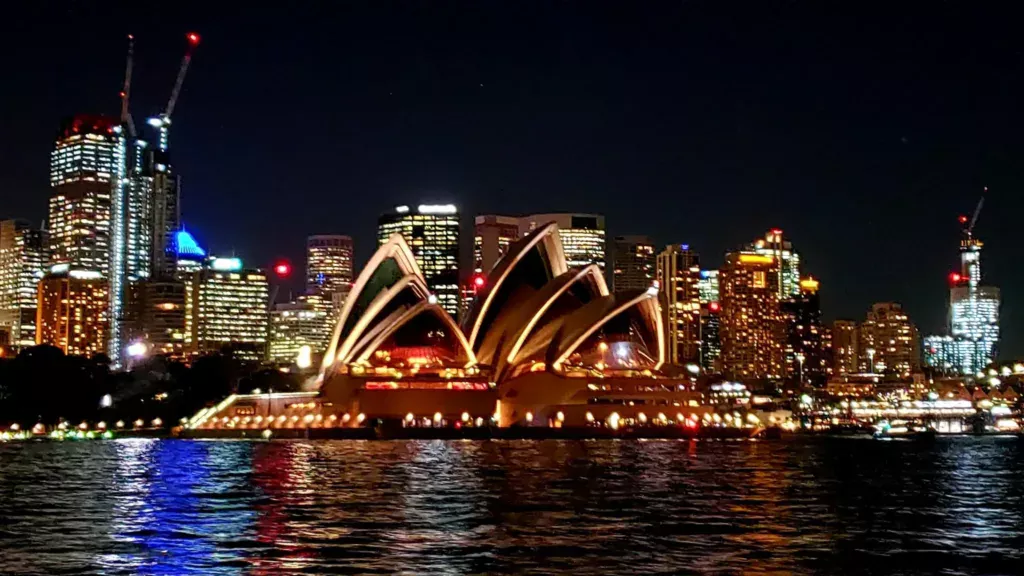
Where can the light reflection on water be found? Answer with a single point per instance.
(453, 507)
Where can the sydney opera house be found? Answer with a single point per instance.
(543, 346)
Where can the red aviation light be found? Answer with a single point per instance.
(955, 278)
(479, 281)
(962, 219)
(193, 38)
(283, 269)
(714, 306)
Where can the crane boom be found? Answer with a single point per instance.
(126, 90)
(977, 212)
(193, 41)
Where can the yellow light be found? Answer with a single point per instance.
(642, 417)
(560, 416)
(809, 284)
(756, 259)
(409, 417)
(437, 416)
(529, 416)
(360, 418)
(590, 416)
(613, 420)
(465, 416)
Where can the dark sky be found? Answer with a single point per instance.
(861, 130)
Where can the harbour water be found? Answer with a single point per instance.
(805, 505)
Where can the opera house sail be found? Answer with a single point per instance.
(544, 345)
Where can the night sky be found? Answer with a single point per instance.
(863, 131)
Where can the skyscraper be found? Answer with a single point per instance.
(294, 325)
(845, 348)
(583, 238)
(803, 352)
(72, 311)
(85, 165)
(226, 305)
(633, 263)
(492, 235)
(774, 244)
(165, 213)
(751, 329)
(23, 253)
(971, 343)
(889, 341)
(432, 232)
(329, 261)
(678, 272)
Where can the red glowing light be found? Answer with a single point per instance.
(479, 281)
(955, 277)
(714, 306)
(963, 219)
(283, 269)
(193, 38)
(777, 231)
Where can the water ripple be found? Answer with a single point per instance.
(842, 506)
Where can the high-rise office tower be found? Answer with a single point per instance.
(432, 233)
(165, 214)
(678, 272)
(72, 310)
(845, 348)
(583, 238)
(708, 286)
(23, 254)
(751, 329)
(633, 263)
(492, 235)
(294, 325)
(710, 339)
(329, 262)
(85, 164)
(86, 213)
(227, 306)
(138, 214)
(971, 344)
(803, 352)
(774, 244)
(889, 341)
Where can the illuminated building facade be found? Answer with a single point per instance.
(582, 236)
(710, 340)
(294, 325)
(889, 341)
(329, 261)
(72, 311)
(804, 351)
(845, 348)
(971, 344)
(633, 263)
(155, 307)
(23, 254)
(138, 213)
(678, 272)
(774, 244)
(84, 167)
(708, 286)
(751, 328)
(492, 235)
(432, 232)
(227, 307)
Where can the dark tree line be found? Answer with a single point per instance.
(42, 384)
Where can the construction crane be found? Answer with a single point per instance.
(126, 117)
(969, 224)
(163, 121)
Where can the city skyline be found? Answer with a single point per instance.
(898, 227)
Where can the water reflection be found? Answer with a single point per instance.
(825, 506)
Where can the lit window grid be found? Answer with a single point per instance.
(583, 247)
(436, 251)
(751, 329)
(291, 329)
(72, 315)
(228, 308)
